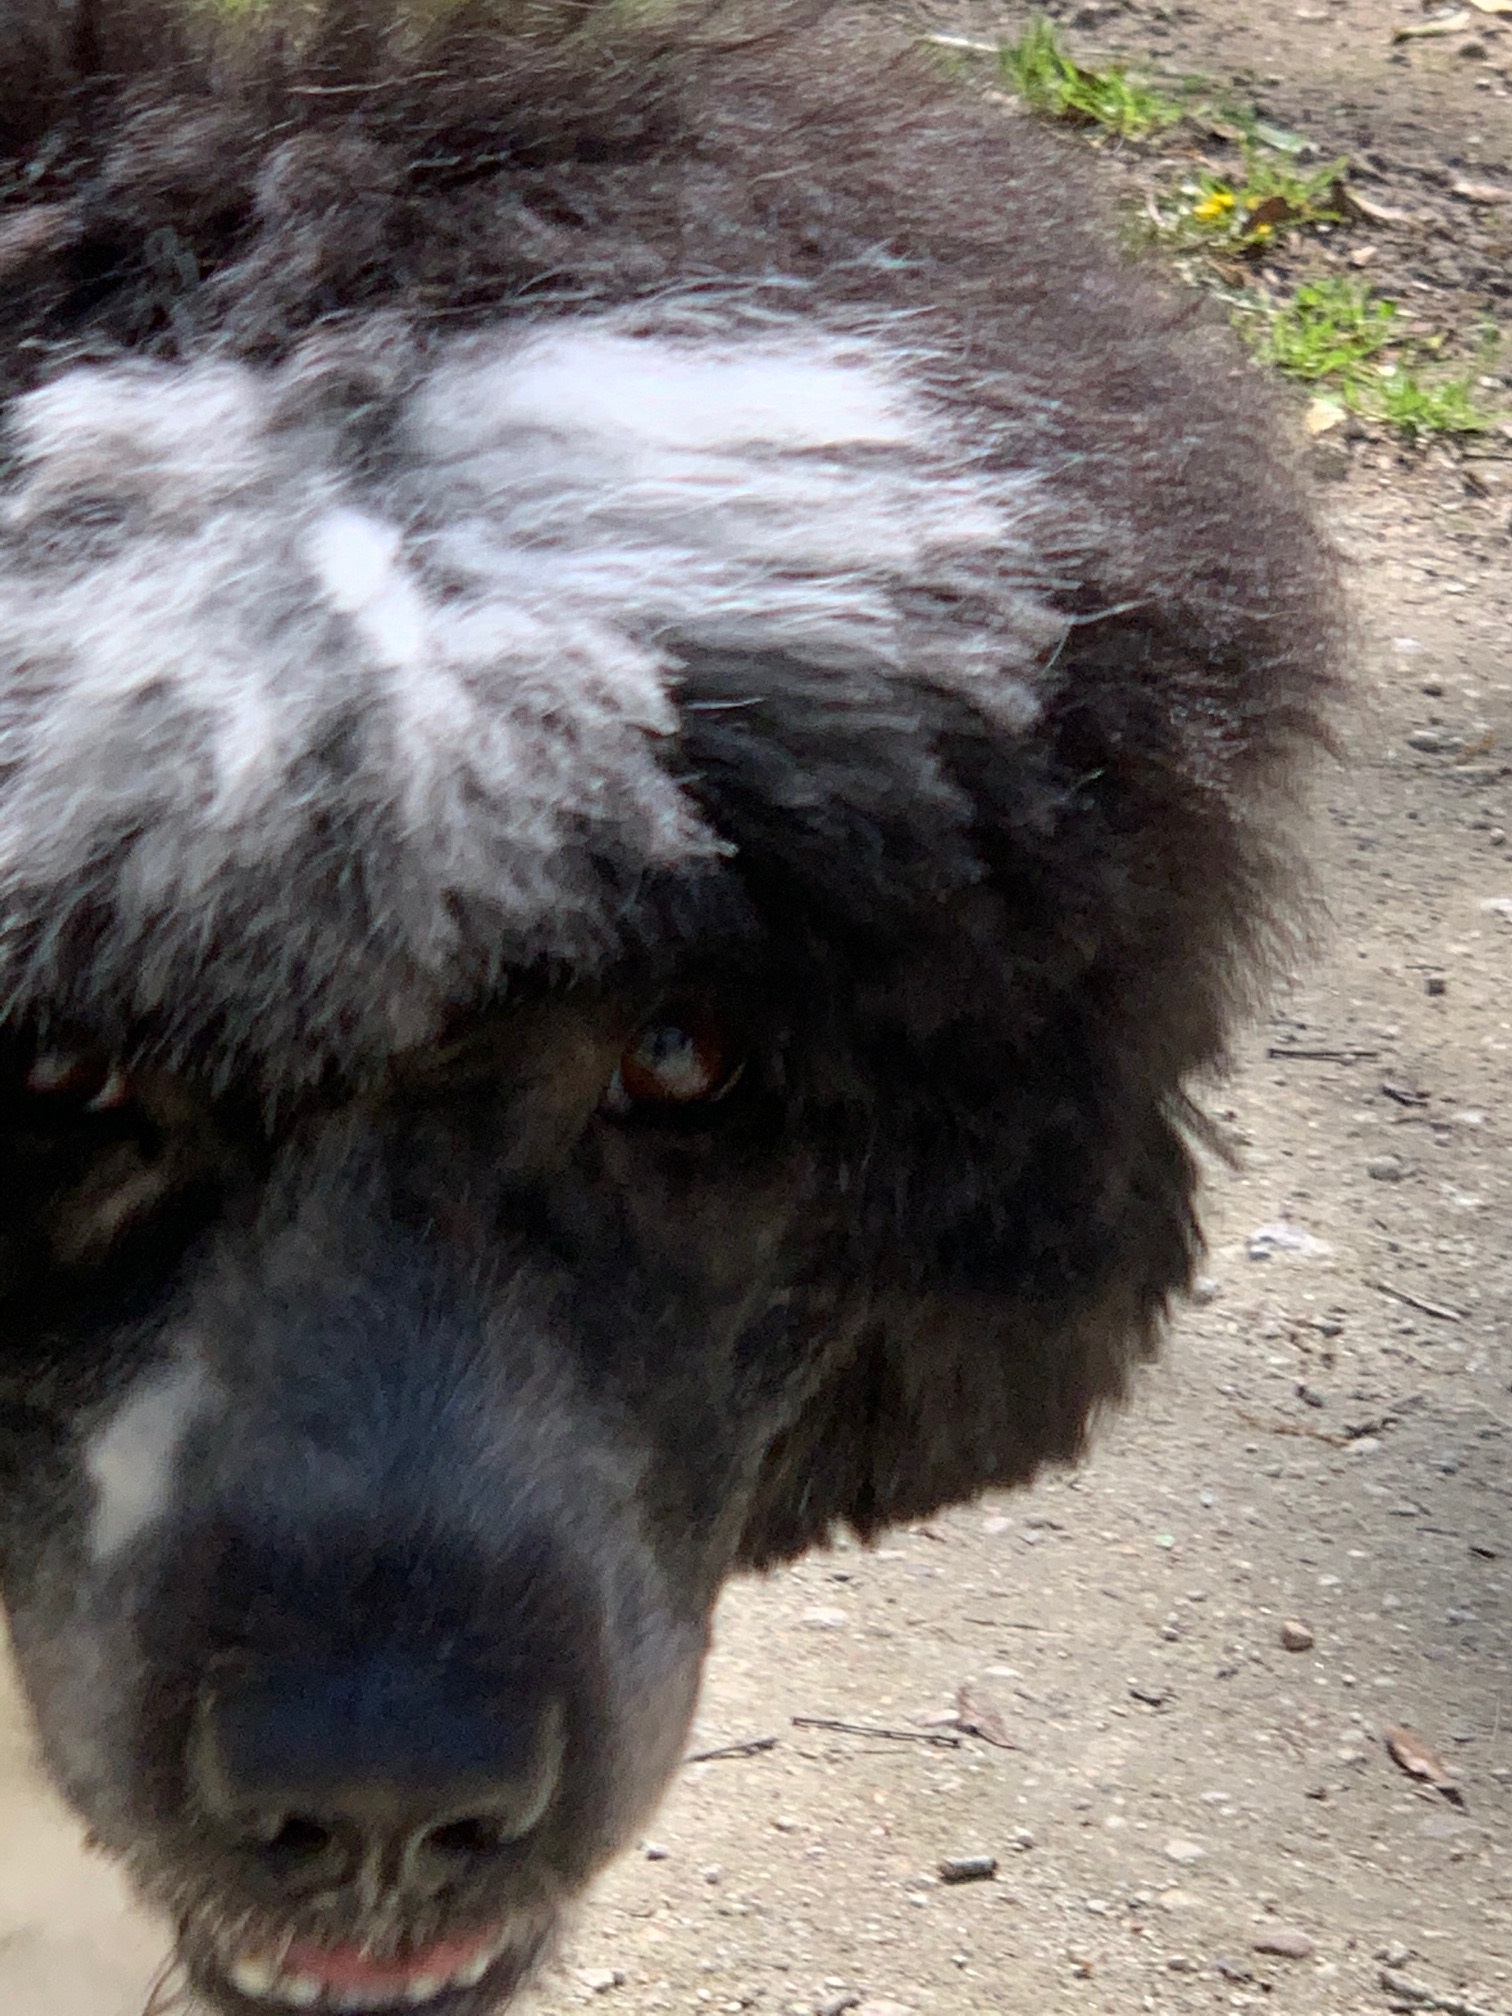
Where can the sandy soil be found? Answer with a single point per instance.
(1167, 1789)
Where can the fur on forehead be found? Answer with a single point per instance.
(337, 691)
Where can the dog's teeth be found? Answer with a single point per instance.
(253, 1977)
(424, 1988)
(470, 1975)
(349, 1998)
(300, 1991)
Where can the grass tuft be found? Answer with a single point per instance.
(1047, 79)
(1338, 334)
(1329, 329)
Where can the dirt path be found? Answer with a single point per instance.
(1330, 1442)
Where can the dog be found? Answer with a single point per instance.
(649, 708)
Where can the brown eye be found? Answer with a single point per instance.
(79, 1078)
(684, 1058)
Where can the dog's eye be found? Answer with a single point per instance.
(79, 1081)
(685, 1058)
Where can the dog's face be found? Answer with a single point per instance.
(385, 1464)
(510, 1026)
(611, 872)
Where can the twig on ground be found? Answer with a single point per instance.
(1404, 1095)
(970, 42)
(1439, 1309)
(1299, 1428)
(1285, 1052)
(751, 1747)
(940, 1738)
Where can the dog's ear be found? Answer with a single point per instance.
(1022, 1182)
(1024, 938)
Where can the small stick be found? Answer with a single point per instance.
(1438, 1309)
(938, 1737)
(964, 42)
(1300, 1429)
(1283, 1051)
(751, 1747)
(1403, 1094)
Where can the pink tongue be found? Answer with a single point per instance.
(350, 1967)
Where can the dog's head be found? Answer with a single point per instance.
(600, 981)
(602, 926)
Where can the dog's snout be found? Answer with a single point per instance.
(377, 1774)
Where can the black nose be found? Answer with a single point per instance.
(379, 1773)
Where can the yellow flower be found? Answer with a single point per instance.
(1211, 208)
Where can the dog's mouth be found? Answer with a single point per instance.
(463, 1975)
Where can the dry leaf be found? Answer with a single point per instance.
(977, 1714)
(1483, 192)
(1446, 24)
(1273, 210)
(1493, 6)
(1322, 415)
(1412, 1754)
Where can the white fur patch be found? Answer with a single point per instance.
(697, 396)
(132, 1460)
(777, 493)
(320, 737)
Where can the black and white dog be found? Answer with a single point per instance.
(646, 710)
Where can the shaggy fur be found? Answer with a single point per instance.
(532, 540)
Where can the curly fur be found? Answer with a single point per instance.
(512, 517)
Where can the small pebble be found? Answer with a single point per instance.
(1296, 1636)
(1387, 1168)
(1394, 1955)
(1435, 984)
(837, 2005)
(824, 1620)
(968, 1868)
(1285, 1943)
(1184, 1852)
(883, 2009)
(599, 1980)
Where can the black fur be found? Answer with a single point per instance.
(464, 1377)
